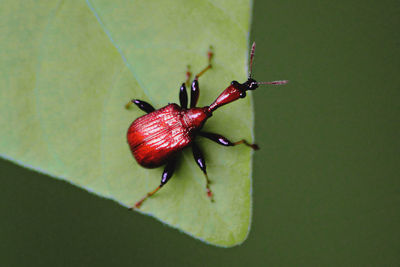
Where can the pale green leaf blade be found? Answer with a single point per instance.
(69, 67)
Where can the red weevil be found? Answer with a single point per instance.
(157, 137)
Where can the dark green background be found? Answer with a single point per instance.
(326, 182)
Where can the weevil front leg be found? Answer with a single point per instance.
(167, 174)
(195, 91)
(219, 139)
(183, 96)
(198, 157)
(146, 107)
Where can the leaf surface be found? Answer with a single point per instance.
(68, 68)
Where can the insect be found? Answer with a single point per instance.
(156, 138)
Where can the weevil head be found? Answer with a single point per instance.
(250, 84)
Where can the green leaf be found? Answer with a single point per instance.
(68, 68)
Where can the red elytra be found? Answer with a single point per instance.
(157, 137)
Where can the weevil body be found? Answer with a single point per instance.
(157, 137)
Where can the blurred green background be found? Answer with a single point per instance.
(326, 182)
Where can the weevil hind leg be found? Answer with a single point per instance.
(199, 158)
(167, 174)
(195, 89)
(146, 107)
(219, 139)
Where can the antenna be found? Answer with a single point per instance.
(275, 82)
(253, 49)
(252, 52)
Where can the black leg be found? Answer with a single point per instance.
(146, 107)
(167, 174)
(198, 157)
(183, 97)
(219, 139)
(194, 93)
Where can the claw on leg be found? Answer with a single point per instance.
(253, 146)
(209, 192)
(140, 202)
(210, 55)
(127, 105)
(188, 75)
